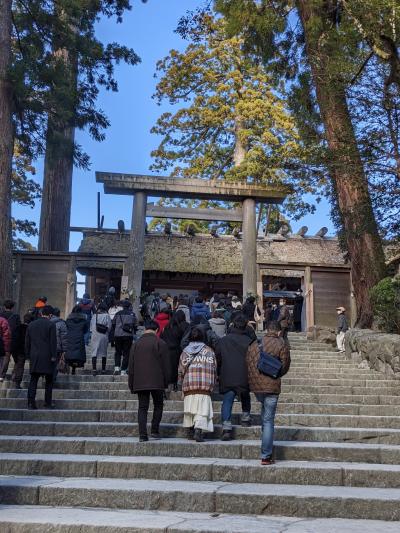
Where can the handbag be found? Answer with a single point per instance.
(101, 328)
(268, 364)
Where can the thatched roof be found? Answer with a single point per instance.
(209, 255)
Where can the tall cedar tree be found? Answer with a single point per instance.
(59, 67)
(233, 122)
(333, 48)
(6, 149)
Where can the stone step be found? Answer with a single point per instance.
(107, 399)
(15, 409)
(202, 469)
(170, 430)
(350, 452)
(206, 497)
(176, 417)
(290, 381)
(40, 519)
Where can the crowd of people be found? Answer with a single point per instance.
(189, 344)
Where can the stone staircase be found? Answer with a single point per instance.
(80, 467)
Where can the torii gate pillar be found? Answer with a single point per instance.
(249, 248)
(135, 263)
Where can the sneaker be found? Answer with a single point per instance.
(117, 371)
(124, 373)
(94, 373)
(267, 461)
(1, 380)
(190, 433)
(198, 435)
(144, 438)
(226, 435)
(49, 406)
(103, 372)
(245, 423)
(155, 436)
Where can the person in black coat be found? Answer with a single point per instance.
(297, 310)
(148, 371)
(231, 355)
(77, 327)
(41, 350)
(172, 335)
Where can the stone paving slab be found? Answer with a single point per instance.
(37, 519)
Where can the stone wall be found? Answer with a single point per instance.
(371, 349)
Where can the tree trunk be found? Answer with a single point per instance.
(6, 151)
(349, 181)
(55, 212)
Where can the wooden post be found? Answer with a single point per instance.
(135, 262)
(70, 293)
(249, 248)
(309, 298)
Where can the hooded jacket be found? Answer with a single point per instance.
(77, 326)
(218, 325)
(197, 370)
(211, 339)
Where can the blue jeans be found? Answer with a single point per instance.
(226, 408)
(268, 410)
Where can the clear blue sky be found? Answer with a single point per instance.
(149, 30)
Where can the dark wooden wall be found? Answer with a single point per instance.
(43, 277)
(331, 290)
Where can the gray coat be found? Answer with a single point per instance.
(61, 328)
(99, 341)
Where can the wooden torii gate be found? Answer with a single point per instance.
(142, 186)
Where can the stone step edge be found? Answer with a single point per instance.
(168, 413)
(216, 426)
(210, 497)
(36, 519)
(329, 473)
(210, 443)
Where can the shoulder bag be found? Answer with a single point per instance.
(101, 328)
(268, 364)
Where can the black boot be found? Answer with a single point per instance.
(190, 433)
(94, 366)
(198, 435)
(103, 365)
(226, 435)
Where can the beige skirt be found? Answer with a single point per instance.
(198, 412)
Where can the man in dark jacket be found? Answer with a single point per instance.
(297, 310)
(231, 353)
(41, 350)
(283, 318)
(14, 322)
(124, 326)
(265, 388)
(148, 375)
